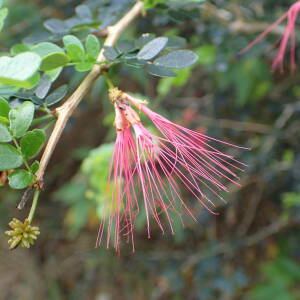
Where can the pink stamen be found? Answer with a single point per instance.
(289, 34)
(150, 169)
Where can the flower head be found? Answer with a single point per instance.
(289, 34)
(148, 171)
(22, 234)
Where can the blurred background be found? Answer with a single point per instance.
(250, 251)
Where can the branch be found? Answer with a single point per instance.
(65, 111)
(238, 25)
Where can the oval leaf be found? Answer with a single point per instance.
(159, 71)
(32, 142)
(5, 136)
(56, 26)
(53, 61)
(74, 47)
(92, 46)
(52, 56)
(42, 89)
(20, 70)
(10, 158)
(4, 108)
(110, 53)
(177, 59)
(83, 67)
(152, 48)
(57, 95)
(20, 118)
(20, 179)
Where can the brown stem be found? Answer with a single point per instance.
(66, 110)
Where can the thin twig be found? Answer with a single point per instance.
(231, 246)
(238, 25)
(236, 125)
(251, 209)
(66, 110)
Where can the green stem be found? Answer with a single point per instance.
(109, 82)
(33, 205)
(48, 125)
(45, 109)
(42, 119)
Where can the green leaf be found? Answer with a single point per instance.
(152, 48)
(53, 74)
(176, 42)
(166, 84)
(4, 120)
(20, 70)
(20, 179)
(52, 56)
(19, 48)
(83, 67)
(5, 136)
(8, 90)
(125, 46)
(177, 59)
(110, 53)
(56, 26)
(53, 61)
(88, 25)
(4, 108)
(207, 54)
(84, 12)
(32, 142)
(74, 48)
(144, 39)
(20, 118)
(56, 95)
(159, 71)
(10, 158)
(43, 88)
(92, 46)
(3, 15)
(34, 167)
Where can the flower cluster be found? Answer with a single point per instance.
(289, 34)
(147, 171)
(22, 234)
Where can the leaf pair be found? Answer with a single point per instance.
(14, 125)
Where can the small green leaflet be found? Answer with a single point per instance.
(10, 158)
(20, 70)
(20, 118)
(20, 179)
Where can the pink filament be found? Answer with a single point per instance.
(289, 34)
(151, 169)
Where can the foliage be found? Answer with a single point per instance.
(47, 48)
(281, 280)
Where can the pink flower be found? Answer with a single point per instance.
(289, 34)
(121, 194)
(149, 171)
